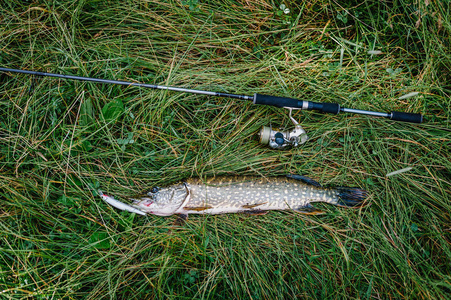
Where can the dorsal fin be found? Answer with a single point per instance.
(304, 179)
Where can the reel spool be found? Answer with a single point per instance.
(278, 139)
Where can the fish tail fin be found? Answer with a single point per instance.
(351, 197)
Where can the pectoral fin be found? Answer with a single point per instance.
(304, 179)
(197, 208)
(308, 210)
(253, 205)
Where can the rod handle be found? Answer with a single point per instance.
(278, 101)
(332, 108)
(406, 117)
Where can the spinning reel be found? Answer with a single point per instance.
(278, 139)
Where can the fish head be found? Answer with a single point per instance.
(162, 201)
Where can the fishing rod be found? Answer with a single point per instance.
(273, 137)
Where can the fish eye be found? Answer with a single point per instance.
(154, 190)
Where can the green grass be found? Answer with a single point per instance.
(60, 140)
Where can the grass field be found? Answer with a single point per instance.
(61, 140)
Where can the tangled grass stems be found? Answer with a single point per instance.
(62, 140)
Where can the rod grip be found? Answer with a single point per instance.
(330, 108)
(277, 101)
(406, 117)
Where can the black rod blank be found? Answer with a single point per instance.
(256, 98)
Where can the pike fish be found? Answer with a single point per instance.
(244, 194)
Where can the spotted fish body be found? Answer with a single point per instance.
(243, 194)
